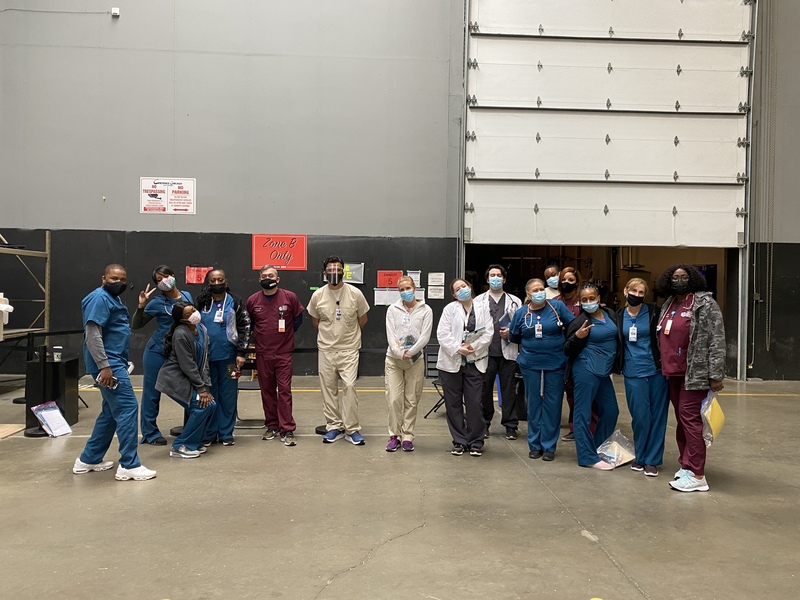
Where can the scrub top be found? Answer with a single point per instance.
(220, 347)
(342, 333)
(160, 308)
(110, 313)
(598, 355)
(675, 344)
(639, 354)
(265, 314)
(545, 353)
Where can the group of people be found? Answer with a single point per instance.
(559, 339)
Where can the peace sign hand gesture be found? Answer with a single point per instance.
(584, 330)
(144, 296)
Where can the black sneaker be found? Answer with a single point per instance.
(159, 441)
(568, 437)
(228, 442)
(475, 451)
(548, 456)
(288, 439)
(486, 433)
(637, 467)
(511, 433)
(535, 454)
(457, 450)
(270, 434)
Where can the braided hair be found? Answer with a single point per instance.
(177, 318)
(204, 298)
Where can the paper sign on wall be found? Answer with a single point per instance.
(435, 279)
(387, 279)
(196, 274)
(388, 296)
(167, 196)
(285, 252)
(435, 292)
(416, 277)
(354, 272)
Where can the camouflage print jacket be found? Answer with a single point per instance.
(705, 358)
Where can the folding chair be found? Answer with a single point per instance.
(431, 354)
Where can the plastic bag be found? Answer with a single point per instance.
(617, 450)
(713, 418)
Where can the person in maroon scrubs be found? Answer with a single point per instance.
(691, 337)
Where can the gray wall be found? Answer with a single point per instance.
(307, 116)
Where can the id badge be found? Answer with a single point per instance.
(281, 325)
(219, 316)
(667, 327)
(338, 314)
(537, 329)
(632, 333)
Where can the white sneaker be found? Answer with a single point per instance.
(140, 473)
(690, 484)
(603, 466)
(81, 467)
(681, 473)
(184, 452)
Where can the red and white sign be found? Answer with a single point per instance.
(388, 279)
(167, 196)
(196, 275)
(285, 252)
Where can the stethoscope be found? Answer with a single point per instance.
(529, 314)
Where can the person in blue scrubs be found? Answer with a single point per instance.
(591, 347)
(107, 342)
(646, 389)
(228, 323)
(538, 327)
(160, 309)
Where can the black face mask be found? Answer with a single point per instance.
(115, 288)
(268, 284)
(634, 300)
(680, 287)
(567, 287)
(217, 288)
(333, 278)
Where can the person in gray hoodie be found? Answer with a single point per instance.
(691, 339)
(185, 378)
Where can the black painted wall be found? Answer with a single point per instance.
(79, 257)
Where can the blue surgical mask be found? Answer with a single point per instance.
(552, 282)
(496, 283)
(407, 295)
(590, 307)
(464, 294)
(538, 297)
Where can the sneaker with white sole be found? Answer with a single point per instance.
(689, 483)
(270, 434)
(355, 438)
(288, 439)
(603, 466)
(81, 467)
(140, 473)
(681, 473)
(332, 436)
(184, 452)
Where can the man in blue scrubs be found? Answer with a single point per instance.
(107, 341)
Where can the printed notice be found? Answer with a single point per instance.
(167, 196)
(436, 292)
(435, 279)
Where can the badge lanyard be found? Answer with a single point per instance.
(632, 332)
(219, 316)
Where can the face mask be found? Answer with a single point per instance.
(464, 294)
(333, 278)
(115, 288)
(495, 283)
(407, 295)
(680, 287)
(166, 284)
(268, 284)
(590, 307)
(217, 288)
(552, 282)
(538, 297)
(194, 318)
(634, 300)
(567, 287)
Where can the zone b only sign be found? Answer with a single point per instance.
(284, 252)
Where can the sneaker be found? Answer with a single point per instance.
(568, 437)
(228, 442)
(202, 449)
(549, 456)
(475, 451)
(184, 452)
(81, 467)
(511, 433)
(408, 446)
(207, 443)
(269, 434)
(690, 483)
(486, 433)
(330, 437)
(159, 441)
(534, 454)
(457, 450)
(650, 471)
(637, 467)
(393, 445)
(288, 439)
(140, 473)
(356, 439)
(681, 473)
(603, 466)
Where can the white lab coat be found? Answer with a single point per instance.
(419, 324)
(513, 304)
(450, 334)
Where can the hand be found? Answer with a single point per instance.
(504, 333)
(240, 360)
(145, 295)
(406, 355)
(716, 386)
(205, 399)
(105, 378)
(584, 330)
(465, 350)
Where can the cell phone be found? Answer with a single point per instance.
(114, 381)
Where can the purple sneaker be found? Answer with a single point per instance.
(408, 446)
(393, 445)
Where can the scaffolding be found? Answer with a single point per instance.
(41, 323)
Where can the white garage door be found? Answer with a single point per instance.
(601, 122)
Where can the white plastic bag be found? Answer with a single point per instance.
(617, 450)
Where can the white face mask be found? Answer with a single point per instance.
(166, 284)
(194, 318)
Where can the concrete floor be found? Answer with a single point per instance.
(259, 520)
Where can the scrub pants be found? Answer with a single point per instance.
(332, 364)
(404, 381)
(118, 414)
(196, 427)
(152, 361)
(648, 402)
(689, 429)
(591, 388)
(462, 402)
(506, 369)
(275, 381)
(544, 410)
(226, 394)
(569, 388)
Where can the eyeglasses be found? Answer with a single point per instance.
(680, 278)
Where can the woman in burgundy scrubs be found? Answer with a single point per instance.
(691, 337)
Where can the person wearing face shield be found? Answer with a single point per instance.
(186, 379)
(691, 338)
(107, 342)
(339, 312)
(159, 308)
(551, 279)
(275, 315)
